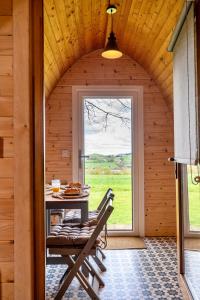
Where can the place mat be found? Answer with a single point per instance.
(192, 244)
(128, 242)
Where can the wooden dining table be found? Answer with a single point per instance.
(77, 202)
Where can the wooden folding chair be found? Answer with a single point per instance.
(75, 250)
(73, 216)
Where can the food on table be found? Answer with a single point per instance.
(72, 191)
(75, 185)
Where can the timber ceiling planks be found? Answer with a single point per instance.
(143, 29)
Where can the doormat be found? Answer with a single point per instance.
(130, 242)
(192, 244)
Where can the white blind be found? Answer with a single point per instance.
(184, 76)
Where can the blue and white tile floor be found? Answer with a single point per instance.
(147, 274)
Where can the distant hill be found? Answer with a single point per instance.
(114, 162)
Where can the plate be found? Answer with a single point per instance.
(81, 195)
(85, 187)
(68, 194)
(47, 193)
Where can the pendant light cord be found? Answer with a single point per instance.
(111, 20)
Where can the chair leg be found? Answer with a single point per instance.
(94, 273)
(70, 265)
(85, 284)
(85, 270)
(101, 252)
(74, 271)
(64, 275)
(99, 263)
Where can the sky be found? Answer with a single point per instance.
(116, 137)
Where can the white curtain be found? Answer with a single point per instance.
(184, 77)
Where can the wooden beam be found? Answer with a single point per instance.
(39, 101)
(23, 169)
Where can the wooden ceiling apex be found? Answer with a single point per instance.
(143, 29)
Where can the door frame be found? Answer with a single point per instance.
(29, 226)
(136, 92)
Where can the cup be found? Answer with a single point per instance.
(55, 183)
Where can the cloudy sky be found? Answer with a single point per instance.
(107, 133)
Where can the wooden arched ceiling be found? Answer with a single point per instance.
(143, 29)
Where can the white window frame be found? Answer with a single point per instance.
(136, 93)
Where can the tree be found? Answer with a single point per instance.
(101, 111)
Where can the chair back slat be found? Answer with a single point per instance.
(105, 197)
(110, 197)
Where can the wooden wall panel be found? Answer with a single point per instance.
(7, 251)
(91, 69)
(6, 8)
(6, 45)
(6, 25)
(7, 291)
(6, 162)
(6, 209)
(6, 86)
(8, 147)
(6, 107)
(7, 273)
(6, 126)
(6, 229)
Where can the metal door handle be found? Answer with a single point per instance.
(84, 156)
(80, 158)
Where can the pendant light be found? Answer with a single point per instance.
(111, 50)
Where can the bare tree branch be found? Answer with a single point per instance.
(98, 115)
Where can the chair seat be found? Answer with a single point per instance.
(70, 236)
(74, 216)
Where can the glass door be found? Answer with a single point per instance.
(107, 155)
(192, 201)
(191, 234)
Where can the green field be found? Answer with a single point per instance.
(121, 185)
(104, 171)
(111, 171)
(194, 203)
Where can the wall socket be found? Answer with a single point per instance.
(65, 153)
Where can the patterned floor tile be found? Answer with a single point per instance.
(147, 274)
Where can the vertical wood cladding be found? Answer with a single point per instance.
(91, 69)
(6, 152)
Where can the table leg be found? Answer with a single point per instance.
(48, 221)
(84, 212)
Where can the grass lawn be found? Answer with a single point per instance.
(100, 176)
(121, 185)
(194, 203)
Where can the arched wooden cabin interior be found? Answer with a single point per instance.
(75, 32)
